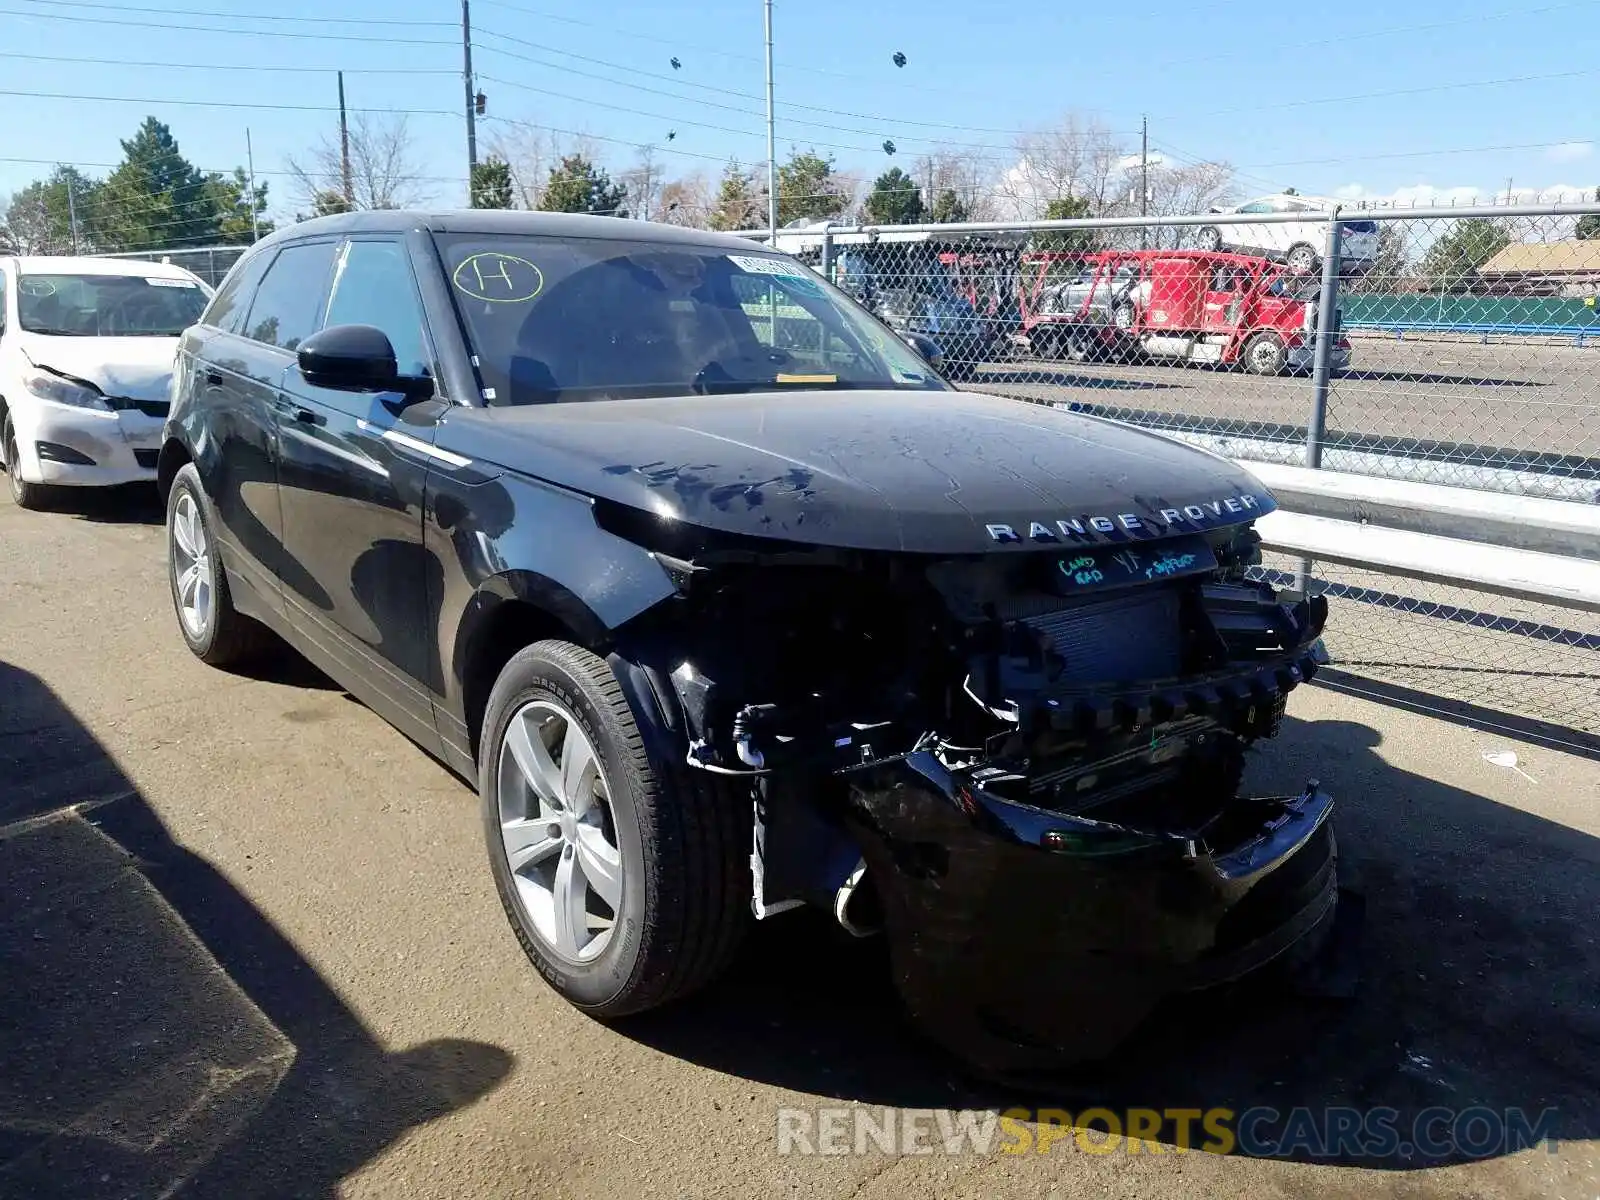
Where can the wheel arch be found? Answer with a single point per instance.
(173, 458)
(509, 612)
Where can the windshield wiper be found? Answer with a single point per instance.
(48, 331)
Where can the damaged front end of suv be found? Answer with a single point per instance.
(1021, 765)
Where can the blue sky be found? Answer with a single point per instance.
(1287, 93)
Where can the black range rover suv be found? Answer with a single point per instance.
(729, 604)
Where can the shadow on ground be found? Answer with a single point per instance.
(1480, 977)
(127, 504)
(161, 1037)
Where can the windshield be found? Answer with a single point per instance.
(552, 320)
(107, 305)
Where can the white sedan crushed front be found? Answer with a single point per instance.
(86, 356)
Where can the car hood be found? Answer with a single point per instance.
(935, 472)
(139, 368)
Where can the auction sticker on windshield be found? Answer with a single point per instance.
(767, 266)
(177, 283)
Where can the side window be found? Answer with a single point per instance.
(373, 286)
(228, 308)
(288, 306)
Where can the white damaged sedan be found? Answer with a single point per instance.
(86, 354)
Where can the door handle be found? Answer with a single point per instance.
(306, 417)
(214, 379)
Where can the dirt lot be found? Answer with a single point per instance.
(262, 958)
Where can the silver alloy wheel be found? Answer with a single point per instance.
(192, 567)
(558, 833)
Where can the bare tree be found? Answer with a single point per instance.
(686, 202)
(1078, 159)
(644, 182)
(965, 174)
(383, 170)
(530, 151)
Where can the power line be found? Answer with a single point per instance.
(671, 120)
(705, 87)
(236, 16)
(207, 66)
(322, 108)
(276, 33)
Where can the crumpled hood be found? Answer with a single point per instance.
(139, 368)
(936, 472)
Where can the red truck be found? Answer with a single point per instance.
(1189, 306)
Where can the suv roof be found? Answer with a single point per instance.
(510, 223)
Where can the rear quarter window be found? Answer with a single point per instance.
(227, 309)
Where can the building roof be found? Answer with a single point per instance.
(1545, 258)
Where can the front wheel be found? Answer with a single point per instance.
(1264, 354)
(34, 496)
(626, 880)
(1209, 238)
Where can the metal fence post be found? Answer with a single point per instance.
(827, 252)
(1321, 364)
(1327, 331)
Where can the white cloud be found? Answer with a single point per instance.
(1428, 195)
(1570, 151)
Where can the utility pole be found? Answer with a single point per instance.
(772, 143)
(1144, 179)
(72, 210)
(344, 149)
(250, 162)
(472, 103)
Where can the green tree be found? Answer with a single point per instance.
(1067, 208)
(807, 187)
(491, 184)
(1589, 223)
(40, 218)
(579, 186)
(895, 200)
(948, 209)
(156, 199)
(737, 205)
(239, 208)
(1452, 262)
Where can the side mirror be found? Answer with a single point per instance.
(929, 350)
(354, 358)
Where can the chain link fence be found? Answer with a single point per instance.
(210, 263)
(1455, 347)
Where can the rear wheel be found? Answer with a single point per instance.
(24, 494)
(626, 881)
(215, 632)
(1302, 259)
(1209, 238)
(1264, 354)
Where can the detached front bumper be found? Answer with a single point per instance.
(1304, 356)
(1025, 940)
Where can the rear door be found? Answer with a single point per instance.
(351, 483)
(230, 383)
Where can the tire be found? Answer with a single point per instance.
(1078, 348)
(1209, 238)
(1122, 315)
(35, 496)
(216, 633)
(1264, 354)
(1047, 344)
(679, 842)
(1302, 259)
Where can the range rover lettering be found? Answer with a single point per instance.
(730, 604)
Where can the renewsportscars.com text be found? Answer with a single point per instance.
(1260, 1132)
